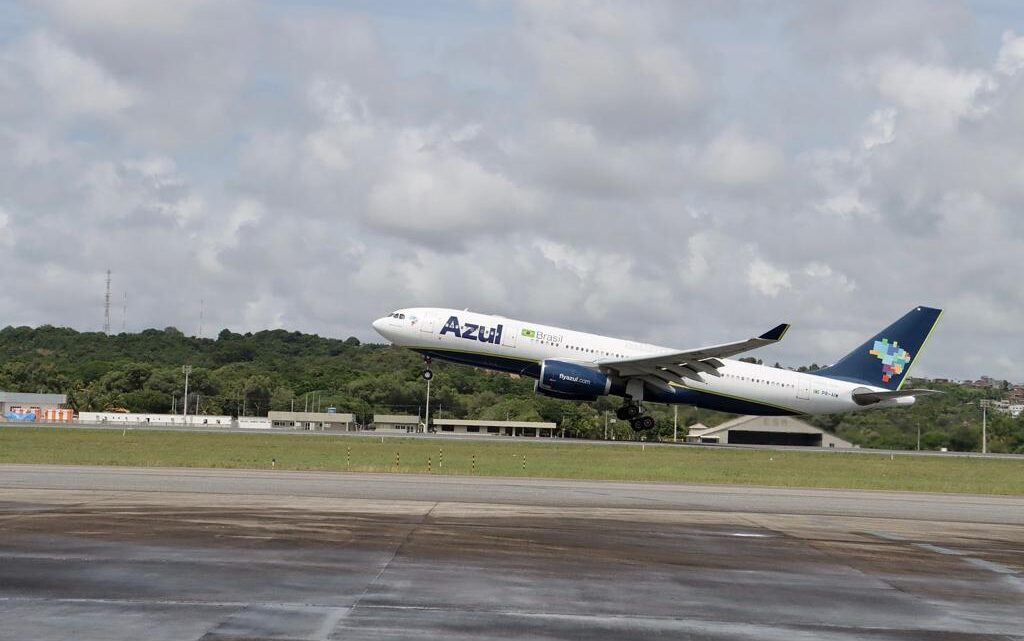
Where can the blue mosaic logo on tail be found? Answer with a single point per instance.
(894, 358)
(896, 346)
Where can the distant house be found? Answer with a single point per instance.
(766, 430)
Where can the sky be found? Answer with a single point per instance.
(683, 173)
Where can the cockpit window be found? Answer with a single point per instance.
(402, 316)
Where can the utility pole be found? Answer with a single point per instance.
(919, 436)
(984, 425)
(106, 308)
(426, 419)
(187, 369)
(606, 425)
(675, 423)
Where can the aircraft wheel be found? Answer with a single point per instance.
(628, 412)
(643, 423)
(428, 374)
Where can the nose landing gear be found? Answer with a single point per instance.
(427, 372)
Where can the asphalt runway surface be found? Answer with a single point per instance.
(108, 553)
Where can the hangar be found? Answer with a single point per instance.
(17, 406)
(766, 430)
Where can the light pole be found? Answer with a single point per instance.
(984, 403)
(675, 423)
(188, 370)
(427, 374)
(984, 424)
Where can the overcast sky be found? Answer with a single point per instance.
(674, 172)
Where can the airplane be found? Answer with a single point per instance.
(579, 366)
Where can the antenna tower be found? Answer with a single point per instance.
(106, 308)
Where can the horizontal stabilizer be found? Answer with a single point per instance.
(870, 397)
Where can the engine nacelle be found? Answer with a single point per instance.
(562, 397)
(572, 382)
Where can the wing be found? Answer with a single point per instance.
(671, 366)
(865, 396)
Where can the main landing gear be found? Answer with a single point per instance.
(427, 372)
(634, 413)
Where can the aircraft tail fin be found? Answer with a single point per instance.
(886, 359)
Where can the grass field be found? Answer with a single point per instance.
(513, 458)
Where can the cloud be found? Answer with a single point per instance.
(1011, 54)
(62, 81)
(766, 279)
(617, 73)
(5, 231)
(637, 169)
(432, 192)
(735, 160)
(938, 94)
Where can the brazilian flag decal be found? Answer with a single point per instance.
(529, 333)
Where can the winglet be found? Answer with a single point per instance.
(776, 333)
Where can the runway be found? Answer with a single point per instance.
(108, 553)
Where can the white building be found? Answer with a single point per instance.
(410, 423)
(495, 428)
(314, 420)
(142, 420)
(407, 423)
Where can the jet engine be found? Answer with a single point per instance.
(571, 381)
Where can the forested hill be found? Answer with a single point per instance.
(253, 373)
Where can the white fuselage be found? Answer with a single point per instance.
(511, 345)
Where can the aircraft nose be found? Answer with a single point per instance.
(378, 326)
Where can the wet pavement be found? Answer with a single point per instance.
(103, 563)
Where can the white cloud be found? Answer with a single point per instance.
(940, 95)
(829, 277)
(735, 160)
(880, 128)
(72, 84)
(766, 279)
(431, 191)
(1011, 54)
(605, 164)
(5, 231)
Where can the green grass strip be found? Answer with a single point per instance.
(525, 458)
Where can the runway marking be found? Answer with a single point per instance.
(1008, 574)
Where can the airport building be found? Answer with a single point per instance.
(142, 420)
(411, 423)
(766, 430)
(496, 428)
(43, 408)
(314, 420)
(396, 423)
